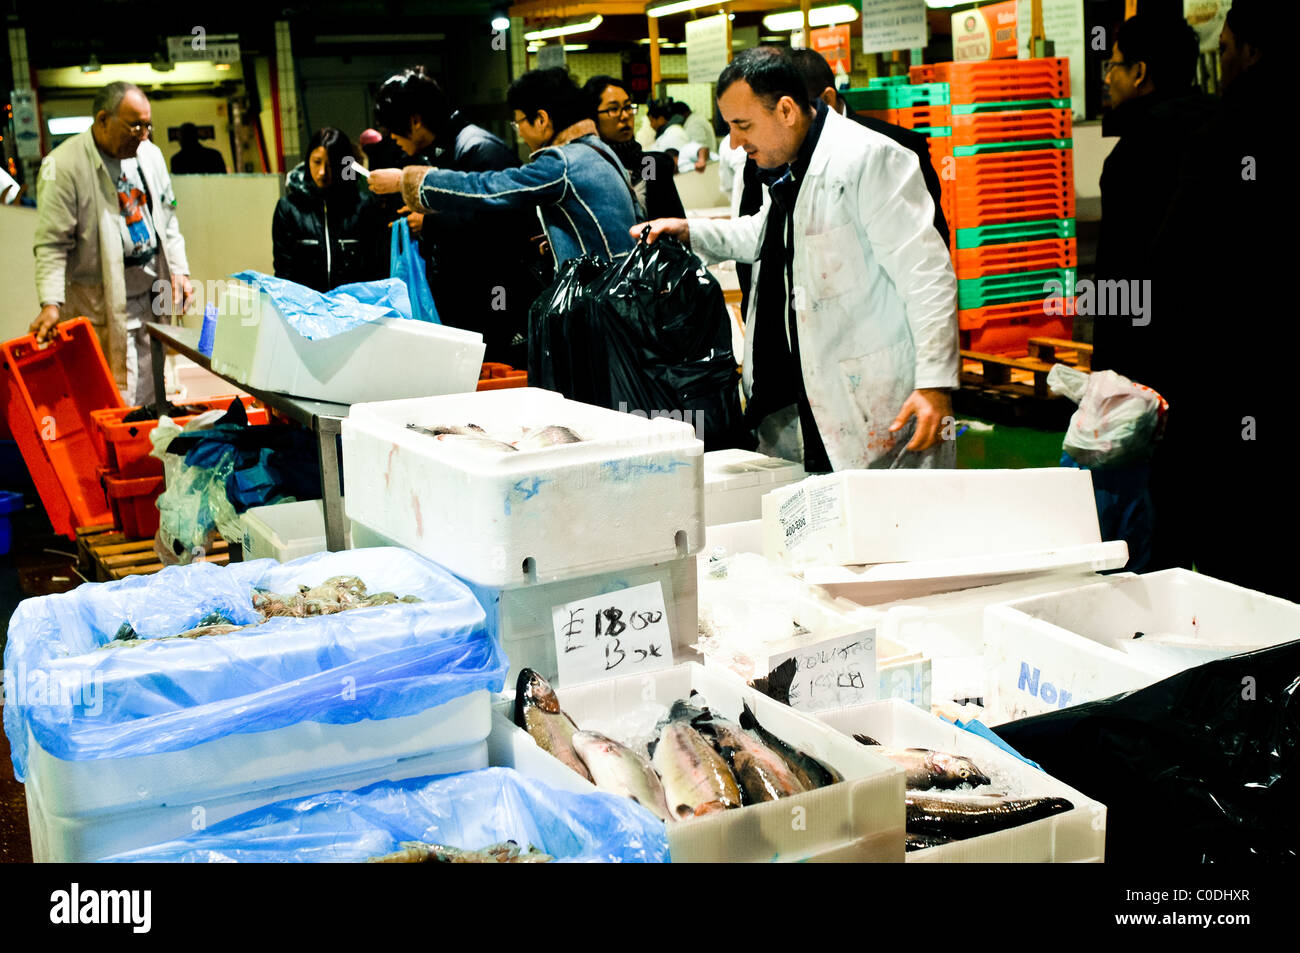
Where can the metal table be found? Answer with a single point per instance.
(321, 417)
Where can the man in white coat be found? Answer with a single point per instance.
(108, 245)
(851, 337)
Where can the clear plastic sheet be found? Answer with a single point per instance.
(1117, 420)
(470, 811)
(1200, 767)
(396, 660)
(318, 316)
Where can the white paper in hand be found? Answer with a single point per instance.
(361, 170)
(611, 635)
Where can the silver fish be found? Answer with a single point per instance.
(928, 769)
(551, 436)
(696, 779)
(537, 711)
(620, 770)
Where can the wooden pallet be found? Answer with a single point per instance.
(1060, 351)
(1023, 375)
(110, 555)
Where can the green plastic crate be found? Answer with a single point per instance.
(934, 132)
(1024, 286)
(982, 235)
(986, 148)
(881, 82)
(966, 109)
(897, 97)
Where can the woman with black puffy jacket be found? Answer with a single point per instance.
(327, 231)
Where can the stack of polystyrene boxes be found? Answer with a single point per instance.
(532, 531)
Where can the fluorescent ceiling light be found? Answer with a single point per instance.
(568, 47)
(501, 23)
(818, 16)
(69, 125)
(680, 6)
(564, 29)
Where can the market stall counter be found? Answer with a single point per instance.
(323, 418)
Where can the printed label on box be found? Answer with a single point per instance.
(835, 673)
(618, 633)
(806, 512)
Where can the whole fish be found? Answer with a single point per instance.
(922, 841)
(960, 817)
(763, 774)
(537, 711)
(928, 769)
(817, 773)
(696, 779)
(620, 770)
(552, 436)
(469, 437)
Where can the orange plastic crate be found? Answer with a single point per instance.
(50, 393)
(1012, 257)
(1007, 328)
(134, 501)
(975, 128)
(1010, 207)
(1009, 167)
(922, 74)
(500, 376)
(913, 117)
(124, 448)
(991, 81)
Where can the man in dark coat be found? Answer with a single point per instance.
(194, 158)
(1155, 108)
(484, 273)
(1229, 325)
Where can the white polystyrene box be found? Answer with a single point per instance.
(858, 517)
(1057, 650)
(1074, 836)
(630, 494)
(86, 810)
(284, 531)
(388, 359)
(735, 481)
(862, 816)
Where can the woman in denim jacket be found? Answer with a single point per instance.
(578, 186)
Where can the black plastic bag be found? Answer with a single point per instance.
(1198, 768)
(649, 334)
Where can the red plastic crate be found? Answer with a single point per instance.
(975, 128)
(992, 81)
(50, 393)
(1016, 256)
(913, 117)
(500, 376)
(125, 447)
(134, 501)
(1007, 328)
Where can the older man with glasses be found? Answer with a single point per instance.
(108, 244)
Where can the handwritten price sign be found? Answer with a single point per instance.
(607, 636)
(836, 673)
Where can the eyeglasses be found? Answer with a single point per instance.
(613, 112)
(137, 127)
(1109, 65)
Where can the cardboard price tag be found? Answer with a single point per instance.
(614, 634)
(836, 673)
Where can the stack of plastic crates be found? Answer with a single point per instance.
(1000, 139)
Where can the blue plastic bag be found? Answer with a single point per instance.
(318, 316)
(82, 704)
(407, 265)
(471, 811)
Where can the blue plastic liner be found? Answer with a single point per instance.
(471, 810)
(407, 266)
(318, 316)
(384, 662)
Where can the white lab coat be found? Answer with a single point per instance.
(875, 298)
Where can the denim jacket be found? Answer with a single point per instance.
(577, 185)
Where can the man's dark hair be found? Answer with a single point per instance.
(816, 72)
(678, 108)
(553, 90)
(109, 99)
(595, 87)
(337, 146)
(1166, 43)
(412, 92)
(770, 72)
(659, 109)
(1254, 22)
(189, 134)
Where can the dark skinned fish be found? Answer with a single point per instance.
(763, 774)
(922, 841)
(960, 817)
(819, 775)
(537, 711)
(928, 769)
